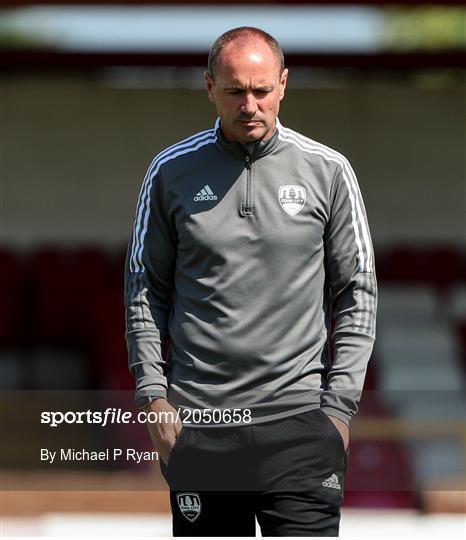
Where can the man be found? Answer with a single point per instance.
(250, 249)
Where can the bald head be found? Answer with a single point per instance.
(246, 81)
(239, 39)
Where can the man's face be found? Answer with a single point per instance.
(247, 90)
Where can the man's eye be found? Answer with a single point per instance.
(239, 91)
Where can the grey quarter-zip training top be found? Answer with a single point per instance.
(249, 280)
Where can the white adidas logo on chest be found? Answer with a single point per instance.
(206, 194)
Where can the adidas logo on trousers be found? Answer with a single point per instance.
(332, 482)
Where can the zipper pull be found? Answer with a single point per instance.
(248, 161)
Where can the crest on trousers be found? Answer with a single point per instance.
(292, 198)
(189, 505)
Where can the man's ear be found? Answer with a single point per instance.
(283, 81)
(209, 85)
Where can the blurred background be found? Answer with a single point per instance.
(90, 92)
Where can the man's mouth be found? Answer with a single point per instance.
(250, 122)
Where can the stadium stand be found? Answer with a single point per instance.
(72, 336)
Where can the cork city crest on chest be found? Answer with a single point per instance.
(292, 198)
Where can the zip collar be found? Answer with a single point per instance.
(254, 150)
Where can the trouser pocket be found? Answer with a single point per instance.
(176, 446)
(334, 430)
(165, 468)
(334, 434)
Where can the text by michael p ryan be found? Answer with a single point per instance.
(109, 454)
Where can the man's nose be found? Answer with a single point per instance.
(249, 105)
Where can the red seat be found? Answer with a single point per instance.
(370, 405)
(445, 265)
(119, 268)
(379, 475)
(106, 321)
(461, 330)
(64, 282)
(440, 266)
(13, 319)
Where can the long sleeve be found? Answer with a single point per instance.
(352, 293)
(149, 273)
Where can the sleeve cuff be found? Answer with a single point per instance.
(144, 398)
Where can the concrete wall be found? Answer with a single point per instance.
(74, 153)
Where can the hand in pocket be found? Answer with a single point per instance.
(342, 428)
(163, 433)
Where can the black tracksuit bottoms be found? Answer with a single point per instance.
(287, 473)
